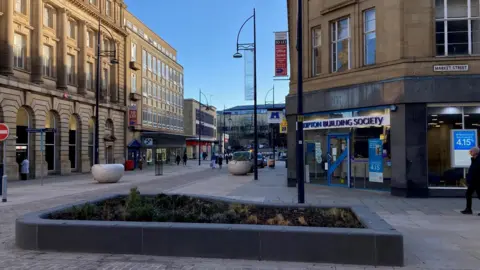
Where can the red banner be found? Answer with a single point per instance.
(281, 54)
(132, 116)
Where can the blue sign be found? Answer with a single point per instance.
(464, 139)
(41, 130)
(275, 115)
(375, 160)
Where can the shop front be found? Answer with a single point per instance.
(349, 148)
(357, 138)
(156, 146)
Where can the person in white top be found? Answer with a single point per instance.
(25, 169)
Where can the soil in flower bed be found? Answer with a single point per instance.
(177, 208)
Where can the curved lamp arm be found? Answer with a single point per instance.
(208, 105)
(239, 31)
(110, 33)
(267, 95)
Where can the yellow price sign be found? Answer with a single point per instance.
(283, 126)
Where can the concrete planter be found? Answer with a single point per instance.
(107, 173)
(239, 167)
(376, 244)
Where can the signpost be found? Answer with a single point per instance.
(4, 132)
(42, 145)
(375, 160)
(462, 140)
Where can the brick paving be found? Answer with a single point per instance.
(436, 235)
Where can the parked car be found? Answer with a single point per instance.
(261, 161)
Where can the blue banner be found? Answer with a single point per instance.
(375, 160)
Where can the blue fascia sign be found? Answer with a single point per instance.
(462, 140)
(375, 160)
(348, 122)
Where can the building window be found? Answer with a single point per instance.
(440, 122)
(48, 16)
(90, 39)
(108, 8)
(370, 37)
(158, 69)
(134, 52)
(341, 45)
(457, 27)
(144, 62)
(47, 61)
(89, 76)
(149, 61)
(20, 6)
(72, 29)
(154, 66)
(71, 69)
(134, 83)
(19, 46)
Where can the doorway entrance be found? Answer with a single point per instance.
(338, 158)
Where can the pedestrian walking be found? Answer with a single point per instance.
(213, 161)
(473, 180)
(140, 163)
(185, 159)
(25, 169)
(220, 161)
(178, 160)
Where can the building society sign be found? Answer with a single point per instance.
(348, 122)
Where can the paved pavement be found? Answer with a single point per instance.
(436, 235)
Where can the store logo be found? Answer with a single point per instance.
(348, 122)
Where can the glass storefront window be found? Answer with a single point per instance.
(321, 146)
(441, 120)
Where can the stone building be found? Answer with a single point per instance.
(47, 80)
(155, 90)
(391, 97)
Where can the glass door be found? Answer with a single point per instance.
(338, 157)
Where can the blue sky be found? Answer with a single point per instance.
(204, 33)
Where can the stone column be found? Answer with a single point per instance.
(10, 118)
(37, 41)
(6, 35)
(82, 57)
(65, 165)
(62, 49)
(409, 151)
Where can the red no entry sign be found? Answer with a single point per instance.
(4, 131)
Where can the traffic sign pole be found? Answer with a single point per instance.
(4, 132)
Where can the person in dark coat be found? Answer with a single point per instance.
(220, 161)
(473, 180)
(185, 159)
(178, 160)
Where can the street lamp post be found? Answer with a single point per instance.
(272, 125)
(200, 124)
(299, 141)
(251, 47)
(113, 60)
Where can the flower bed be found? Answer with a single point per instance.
(195, 226)
(178, 208)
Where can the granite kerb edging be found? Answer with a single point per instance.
(377, 244)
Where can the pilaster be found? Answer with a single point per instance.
(6, 36)
(37, 41)
(62, 49)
